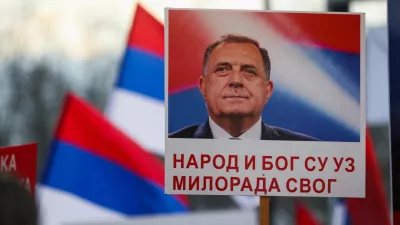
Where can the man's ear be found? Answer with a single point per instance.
(202, 86)
(269, 87)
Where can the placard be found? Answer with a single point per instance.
(21, 161)
(265, 103)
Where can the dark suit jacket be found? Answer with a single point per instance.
(267, 133)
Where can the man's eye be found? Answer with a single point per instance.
(221, 69)
(252, 72)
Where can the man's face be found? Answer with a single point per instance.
(234, 83)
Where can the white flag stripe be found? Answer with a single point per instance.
(58, 207)
(141, 118)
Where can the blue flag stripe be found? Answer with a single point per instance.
(142, 73)
(106, 184)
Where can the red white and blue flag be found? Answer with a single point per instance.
(136, 104)
(96, 173)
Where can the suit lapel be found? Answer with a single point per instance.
(267, 133)
(203, 131)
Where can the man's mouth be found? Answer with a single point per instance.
(235, 96)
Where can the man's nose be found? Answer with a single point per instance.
(236, 79)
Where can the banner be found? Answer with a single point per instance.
(20, 161)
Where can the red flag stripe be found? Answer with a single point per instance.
(373, 209)
(185, 31)
(336, 32)
(147, 33)
(304, 216)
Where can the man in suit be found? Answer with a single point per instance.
(236, 85)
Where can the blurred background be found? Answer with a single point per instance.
(48, 47)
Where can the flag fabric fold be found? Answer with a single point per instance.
(98, 165)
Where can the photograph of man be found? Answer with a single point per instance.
(236, 85)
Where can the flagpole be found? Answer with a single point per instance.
(264, 210)
(264, 200)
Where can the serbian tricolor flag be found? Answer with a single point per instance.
(95, 173)
(136, 104)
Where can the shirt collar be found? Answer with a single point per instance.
(254, 133)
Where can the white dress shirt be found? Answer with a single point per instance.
(254, 133)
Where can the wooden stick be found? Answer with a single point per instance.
(264, 210)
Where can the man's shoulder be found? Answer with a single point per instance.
(285, 134)
(186, 132)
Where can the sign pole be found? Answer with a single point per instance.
(264, 200)
(264, 210)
